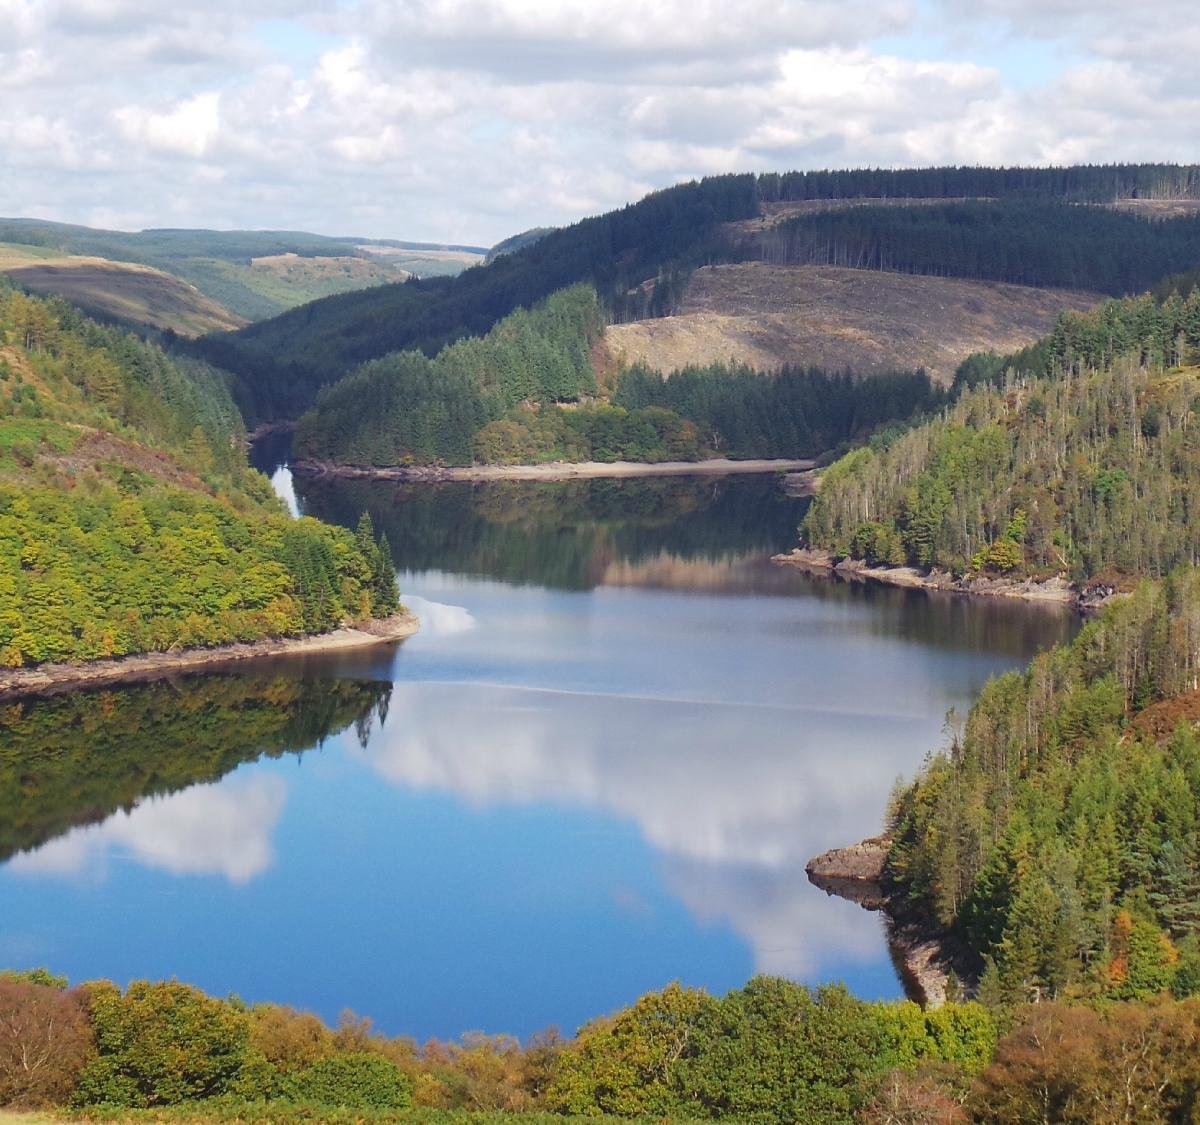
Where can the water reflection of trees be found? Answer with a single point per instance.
(563, 534)
(75, 760)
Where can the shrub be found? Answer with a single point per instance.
(355, 1080)
(160, 1044)
(288, 1039)
(44, 1041)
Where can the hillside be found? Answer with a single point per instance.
(766, 316)
(526, 393)
(1077, 456)
(253, 274)
(129, 521)
(1057, 838)
(130, 294)
(639, 258)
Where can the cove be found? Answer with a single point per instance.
(600, 766)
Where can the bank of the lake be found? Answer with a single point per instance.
(553, 470)
(53, 679)
(1055, 590)
(437, 821)
(925, 958)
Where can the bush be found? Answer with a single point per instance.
(355, 1080)
(160, 1044)
(44, 1041)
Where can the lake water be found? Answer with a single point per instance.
(601, 766)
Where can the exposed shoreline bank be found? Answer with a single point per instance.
(553, 470)
(53, 679)
(923, 958)
(1057, 591)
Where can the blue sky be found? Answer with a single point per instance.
(467, 120)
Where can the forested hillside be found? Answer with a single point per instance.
(1058, 836)
(525, 394)
(129, 520)
(1026, 243)
(1085, 460)
(282, 363)
(638, 259)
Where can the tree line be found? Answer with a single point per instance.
(1087, 183)
(793, 412)
(770, 1053)
(1043, 244)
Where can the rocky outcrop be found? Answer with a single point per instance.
(926, 960)
(855, 873)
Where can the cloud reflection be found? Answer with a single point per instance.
(735, 811)
(439, 619)
(223, 829)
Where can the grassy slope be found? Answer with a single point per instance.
(765, 316)
(132, 294)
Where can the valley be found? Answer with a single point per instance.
(479, 691)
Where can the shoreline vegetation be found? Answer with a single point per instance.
(555, 470)
(51, 679)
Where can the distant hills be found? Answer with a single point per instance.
(1089, 228)
(235, 276)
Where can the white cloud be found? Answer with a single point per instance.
(471, 119)
(188, 128)
(735, 829)
(223, 829)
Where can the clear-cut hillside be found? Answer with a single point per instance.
(765, 316)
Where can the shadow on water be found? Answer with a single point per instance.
(566, 535)
(76, 760)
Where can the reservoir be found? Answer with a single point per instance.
(600, 767)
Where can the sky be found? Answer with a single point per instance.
(469, 120)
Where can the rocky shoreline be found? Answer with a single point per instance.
(53, 679)
(1055, 590)
(551, 471)
(924, 959)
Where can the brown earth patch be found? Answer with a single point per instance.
(1160, 720)
(766, 316)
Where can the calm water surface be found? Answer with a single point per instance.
(600, 767)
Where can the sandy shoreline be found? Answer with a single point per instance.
(1054, 590)
(554, 470)
(51, 679)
